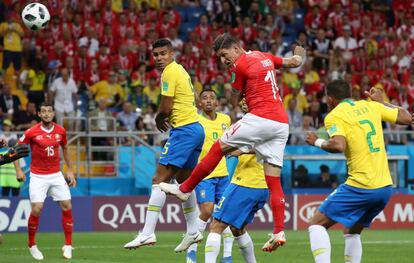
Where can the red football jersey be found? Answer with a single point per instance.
(254, 75)
(44, 145)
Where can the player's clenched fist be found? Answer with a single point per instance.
(14, 154)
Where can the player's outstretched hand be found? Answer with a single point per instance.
(243, 105)
(70, 178)
(3, 143)
(311, 138)
(20, 175)
(15, 153)
(299, 51)
(375, 94)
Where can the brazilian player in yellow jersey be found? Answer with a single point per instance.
(209, 190)
(244, 196)
(355, 129)
(177, 111)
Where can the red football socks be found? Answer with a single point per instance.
(32, 226)
(204, 168)
(277, 202)
(67, 223)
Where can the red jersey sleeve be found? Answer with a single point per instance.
(277, 61)
(64, 139)
(25, 139)
(238, 78)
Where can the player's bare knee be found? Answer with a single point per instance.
(206, 210)
(237, 232)
(66, 205)
(217, 226)
(37, 209)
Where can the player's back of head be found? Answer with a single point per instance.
(224, 41)
(162, 42)
(338, 89)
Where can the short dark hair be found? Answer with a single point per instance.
(224, 41)
(338, 89)
(208, 90)
(162, 42)
(46, 104)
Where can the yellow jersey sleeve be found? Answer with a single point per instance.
(334, 126)
(168, 83)
(387, 114)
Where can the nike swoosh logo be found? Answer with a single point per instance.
(142, 241)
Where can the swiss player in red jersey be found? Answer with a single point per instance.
(45, 138)
(263, 130)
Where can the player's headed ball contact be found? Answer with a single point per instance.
(35, 16)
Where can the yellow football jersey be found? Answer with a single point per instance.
(176, 83)
(213, 129)
(249, 172)
(360, 123)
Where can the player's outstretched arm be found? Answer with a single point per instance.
(70, 176)
(296, 60)
(337, 144)
(403, 118)
(14, 153)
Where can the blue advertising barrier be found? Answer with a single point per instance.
(137, 180)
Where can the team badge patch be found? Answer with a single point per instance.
(203, 193)
(223, 126)
(164, 86)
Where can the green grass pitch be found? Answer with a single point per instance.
(379, 246)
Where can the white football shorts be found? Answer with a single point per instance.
(266, 137)
(53, 185)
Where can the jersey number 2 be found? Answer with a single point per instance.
(371, 133)
(270, 76)
(50, 151)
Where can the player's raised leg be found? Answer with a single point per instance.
(155, 204)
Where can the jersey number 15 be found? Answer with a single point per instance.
(50, 151)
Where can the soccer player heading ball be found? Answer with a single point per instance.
(355, 128)
(263, 130)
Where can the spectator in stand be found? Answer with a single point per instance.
(9, 103)
(101, 120)
(149, 117)
(23, 120)
(153, 91)
(198, 87)
(137, 98)
(296, 94)
(220, 85)
(104, 58)
(92, 74)
(213, 8)
(314, 20)
(356, 92)
(321, 49)
(227, 15)
(262, 40)
(326, 180)
(12, 34)
(315, 114)
(109, 90)
(204, 73)
(34, 80)
(175, 41)
(127, 117)
(301, 177)
(203, 30)
(307, 126)
(295, 121)
(346, 43)
(62, 94)
(90, 41)
(311, 81)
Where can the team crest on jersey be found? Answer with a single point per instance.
(39, 137)
(203, 193)
(223, 126)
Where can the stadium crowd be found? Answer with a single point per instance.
(94, 59)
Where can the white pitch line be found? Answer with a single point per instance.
(167, 246)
